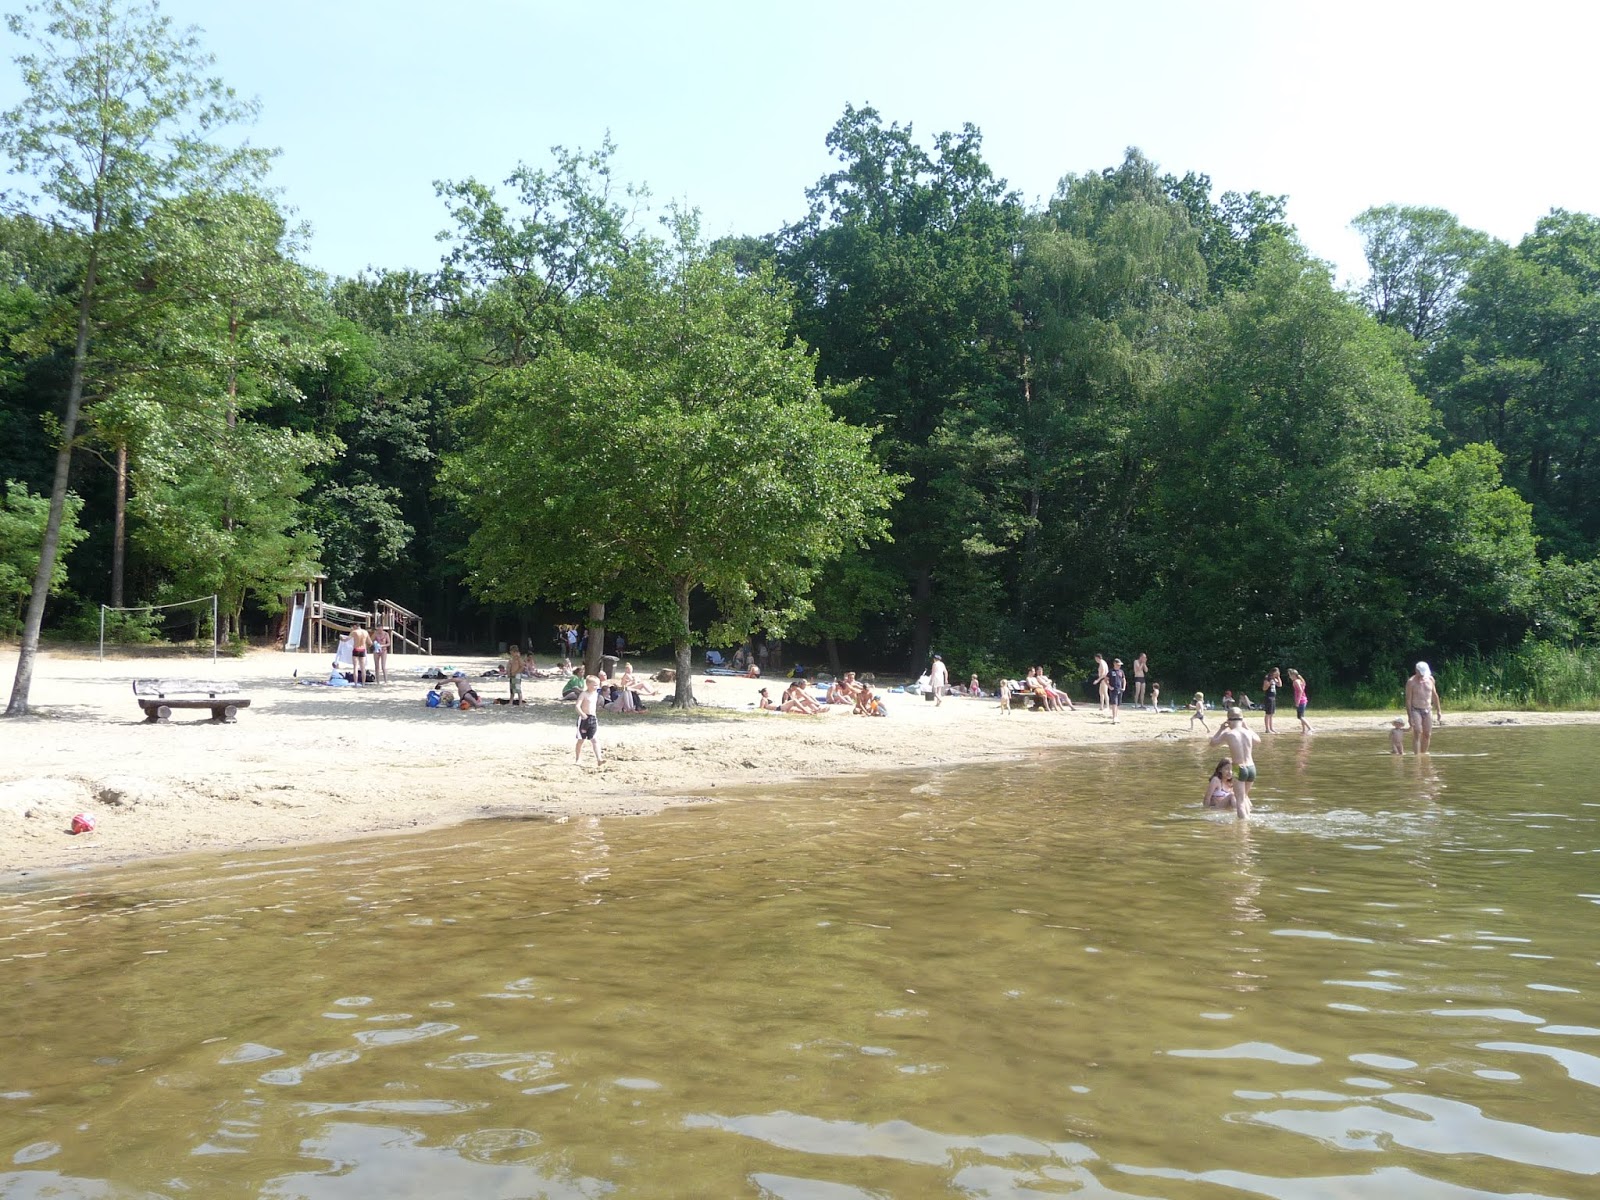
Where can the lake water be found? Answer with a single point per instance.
(1053, 978)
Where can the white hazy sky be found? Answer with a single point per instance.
(1484, 109)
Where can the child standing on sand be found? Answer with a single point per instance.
(1197, 711)
(1005, 697)
(1397, 736)
(588, 707)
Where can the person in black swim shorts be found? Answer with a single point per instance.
(588, 707)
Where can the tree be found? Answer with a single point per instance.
(1419, 258)
(1108, 276)
(1276, 415)
(1234, 230)
(117, 116)
(1519, 367)
(903, 272)
(513, 273)
(23, 517)
(674, 445)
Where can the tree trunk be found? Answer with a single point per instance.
(922, 629)
(29, 650)
(831, 644)
(682, 649)
(119, 528)
(596, 647)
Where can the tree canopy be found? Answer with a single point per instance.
(923, 414)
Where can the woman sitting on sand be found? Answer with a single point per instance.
(795, 700)
(764, 701)
(843, 691)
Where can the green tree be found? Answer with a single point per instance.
(515, 270)
(222, 316)
(1519, 367)
(1418, 260)
(23, 517)
(1278, 411)
(1108, 277)
(1234, 229)
(116, 117)
(674, 444)
(903, 271)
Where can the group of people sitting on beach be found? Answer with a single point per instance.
(848, 689)
(1040, 687)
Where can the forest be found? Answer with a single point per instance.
(924, 415)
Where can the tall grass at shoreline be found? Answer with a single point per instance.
(1534, 675)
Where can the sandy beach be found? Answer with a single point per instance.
(314, 764)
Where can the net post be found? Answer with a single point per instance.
(102, 633)
(213, 630)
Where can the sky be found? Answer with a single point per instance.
(1485, 109)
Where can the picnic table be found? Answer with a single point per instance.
(158, 697)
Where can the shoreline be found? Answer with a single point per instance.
(308, 765)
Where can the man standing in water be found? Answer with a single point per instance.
(1241, 740)
(1422, 705)
(938, 680)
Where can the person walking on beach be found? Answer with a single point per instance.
(1422, 706)
(1270, 684)
(1297, 681)
(938, 680)
(588, 707)
(1116, 684)
(1241, 740)
(1102, 682)
(1141, 668)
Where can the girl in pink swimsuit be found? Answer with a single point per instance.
(1298, 682)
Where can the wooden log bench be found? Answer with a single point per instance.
(158, 697)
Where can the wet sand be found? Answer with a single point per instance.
(316, 764)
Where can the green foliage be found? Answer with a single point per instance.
(1567, 602)
(117, 119)
(678, 444)
(22, 523)
(223, 510)
(1534, 674)
(1234, 230)
(1419, 258)
(1287, 401)
(1519, 367)
(903, 276)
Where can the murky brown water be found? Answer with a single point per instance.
(1058, 978)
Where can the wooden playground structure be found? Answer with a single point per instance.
(315, 625)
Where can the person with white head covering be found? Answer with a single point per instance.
(1422, 706)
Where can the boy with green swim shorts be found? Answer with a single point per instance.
(1240, 740)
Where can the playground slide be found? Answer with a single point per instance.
(297, 622)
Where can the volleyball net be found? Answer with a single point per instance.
(199, 614)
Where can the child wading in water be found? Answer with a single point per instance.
(1219, 788)
(1397, 736)
(588, 707)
